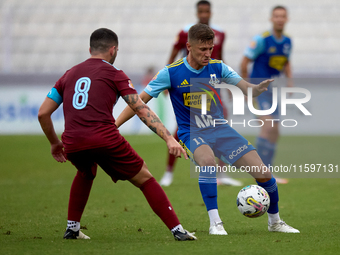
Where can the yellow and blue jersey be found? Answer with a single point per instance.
(269, 54)
(186, 86)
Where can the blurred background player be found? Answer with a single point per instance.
(88, 92)
(147, 77)
(270, 54)
(203, 12)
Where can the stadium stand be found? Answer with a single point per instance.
(50, 36)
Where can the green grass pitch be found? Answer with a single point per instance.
(34, 192)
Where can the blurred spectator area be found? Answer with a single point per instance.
(48, 37)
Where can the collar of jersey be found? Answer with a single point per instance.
(190, 68)
(277, 40)
(110, 64)
(106, 62)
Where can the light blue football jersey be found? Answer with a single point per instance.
(186, 86)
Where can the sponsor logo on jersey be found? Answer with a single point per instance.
(252, 45)
(238, 151)
(277, 62)
(184, 84)
(194, 100)
(272, 49)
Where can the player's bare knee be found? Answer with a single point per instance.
(144, 172)
(264, 174)
(206, 160)
(268, 129)
(142, 176)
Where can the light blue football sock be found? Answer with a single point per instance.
(208, 186)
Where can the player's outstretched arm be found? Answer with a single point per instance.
(151, 120)
(128, 113)
(256, 89)
(44, 117)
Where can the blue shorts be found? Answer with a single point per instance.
(265, 102)
(226, 143)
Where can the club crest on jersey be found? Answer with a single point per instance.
(286, 48)
(213, 80)
(131, 85)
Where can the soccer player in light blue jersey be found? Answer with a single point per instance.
(204, 14)
(270, 53)
(185, 80)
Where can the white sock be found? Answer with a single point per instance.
(214, 217)
(178, 227)
(273, 218)
(73, 225)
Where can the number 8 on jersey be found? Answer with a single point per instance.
(81, 93)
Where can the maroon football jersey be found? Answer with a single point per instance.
(182, 39)
(89, 91)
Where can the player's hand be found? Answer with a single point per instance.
(262, 87)
(58, 153)
(175, 148)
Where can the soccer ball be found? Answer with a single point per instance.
(253, 201)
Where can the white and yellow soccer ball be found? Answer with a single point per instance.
(253, 201)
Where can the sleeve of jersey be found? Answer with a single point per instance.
(159, 83)
(124, 84)
(229, 76)
(255, 48)
(181, 40)
(57, 91)
(223, 37)
(55, 96)
(290, 49)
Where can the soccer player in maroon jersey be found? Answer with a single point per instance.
(203, 14)
(89, 92)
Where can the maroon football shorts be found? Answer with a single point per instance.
(120, 162)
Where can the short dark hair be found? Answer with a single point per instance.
(201, 33)
(279, 7)
(203, 3)
(102, 39)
